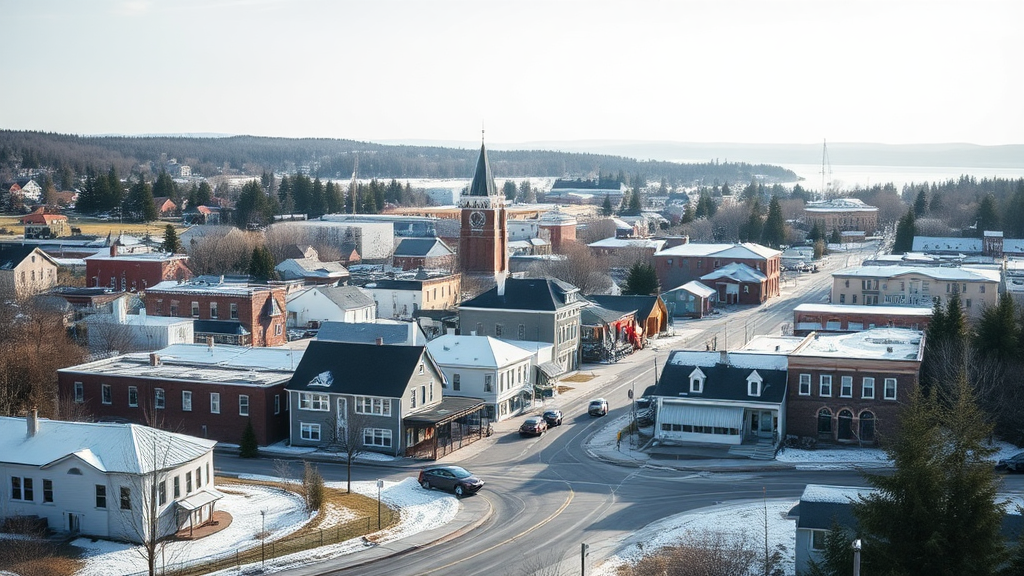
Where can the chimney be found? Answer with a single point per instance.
(380, 341)
(412, 333)
(32, 420)
(723, 357)
(154, 359)
(449, 331)
(500, 279)
(113, 249)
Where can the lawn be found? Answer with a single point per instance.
(94, 226)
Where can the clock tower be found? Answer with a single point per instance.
(483, 239)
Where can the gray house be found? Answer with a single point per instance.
(382, 398)
(531, 309)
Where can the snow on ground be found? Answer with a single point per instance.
(742, 520)
(284, 514)
(283, 449)
(845, 458)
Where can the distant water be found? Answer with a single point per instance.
(846, 177)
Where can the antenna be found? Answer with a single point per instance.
(826, 170)
(481, 132)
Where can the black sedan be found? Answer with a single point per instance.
(553, 417)
(454, 479)
(534, 426)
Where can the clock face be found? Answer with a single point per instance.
(477, 219)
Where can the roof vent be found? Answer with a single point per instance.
(380, 341)
(888, 349)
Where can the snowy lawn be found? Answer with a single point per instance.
(285, 514)
(283, 449)
(741, 520)
(844, 458)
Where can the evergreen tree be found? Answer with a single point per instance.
(1014, 221)
(751, 231)
(774, 233)
(204, 195)
(921, 204)
(634, 208)
(725, 189)
(988, 216)
(527, 194)
(688, 215)
(836, 237)
(171, 242)
(642, 279)
(49, 191)
(113, 191)
(936, 205)
(302, 193)
(816, 233)
(284, 196)
(906, 229)
(317, 200)
(139, 205)
(624, 204)
(334, 199)
(837, 557)
(936, 513)
(998, 334)
(261, 265)
(606, 206)
(164, 186)
(253, 209)
(249, 447)
(509, 190)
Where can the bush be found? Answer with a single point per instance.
(312, 488)
(249, 448)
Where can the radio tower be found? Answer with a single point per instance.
(826, 171)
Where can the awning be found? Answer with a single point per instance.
(200, 499)
(550, 369)
(698, 415)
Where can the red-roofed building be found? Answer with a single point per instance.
(41, 225)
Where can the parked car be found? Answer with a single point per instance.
(1014, 463)
(553, 417)
(454, 479)
(598, 407)
(533, 426)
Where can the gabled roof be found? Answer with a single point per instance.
(543, 294)
(628, 243)
(745, 250)
(726, 381)
(310, 267)
(597, 315)
(736, 272)
(123, 448)
(483, 181)
(392, 332)
(422, 248)
(642, 305)
(476, 351)
(347, 297)
(11, 255)
(697, 289)
(362, 369)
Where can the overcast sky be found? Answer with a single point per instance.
(750, 71)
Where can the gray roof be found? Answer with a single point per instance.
(545, 294)
(722, 381)
(422, 248)
(362, 369)
(368, 332)
(347, 297)
(483, 181)
(294, 268)
(598, 315)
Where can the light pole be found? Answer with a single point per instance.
(263, 537)
(856, 556)
(380, 484)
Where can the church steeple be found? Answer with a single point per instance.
(483, 181)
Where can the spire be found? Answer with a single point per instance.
(483, 181)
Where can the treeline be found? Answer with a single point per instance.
(337, 158)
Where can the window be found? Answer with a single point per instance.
(162, 493)
(309, 431)
(133, 396)
(967, 302)
(488, 382)
(377, 437)
(213, 309)
(374, 406)
(195, 309)
(177, 487)
(317, 402)
(101, 496)
(825, 385)
(867, 427)
(746, 289)
(159, 399)
(890, 389)
(805, 385)
(981, 288)
(854, 301)
(498, 329)
(16, 493)
(867, 388)
(188, 483)
(278, 330)
(47, 490)
(277, 403)
(199, 477)
(106, 395)
(29, 494)
(818, 539)
(825, 421)
(233, 310)
(126, 498)
(842, 298)
(186, 401)
(697, 381)
(457, 381)
(522, 332)
(214, 402)
(243, 405)
(431, 387)
(846, 387)
(412, 398)
(79, 392)
(754, 382)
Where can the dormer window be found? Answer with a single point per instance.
(754, 382)
(697, 381)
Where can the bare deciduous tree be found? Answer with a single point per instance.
(703, 554)
(581, 268)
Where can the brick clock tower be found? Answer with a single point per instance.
(483, 239)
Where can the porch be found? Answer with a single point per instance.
(454, 423)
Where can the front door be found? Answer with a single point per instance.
(74, 523)
(342, 420)
(764, 424)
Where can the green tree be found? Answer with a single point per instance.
(172, 243)
(998, 334)
(816, 233)
(837, 557)
(688, 215)
(634, 208)
(988, 215)
(261, 265)
(249, 447)
(936, 513)
(334, 199)
(921, 203)
(164, 186)
(509, 190)
(204, 194)
(1014, 221)
(254, 208)
(642, 279)
(284, 195)
(49, 191)
(836, 237)
(527, 194)
(317, 200)
(752, 229)
(139, 205)
(906, 229)
(774, 233)
(606, 206)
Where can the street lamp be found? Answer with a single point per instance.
(380, 484)
(263, 537)
(856, 545)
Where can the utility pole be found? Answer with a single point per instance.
(584, 552)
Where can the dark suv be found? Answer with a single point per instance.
(451, 478)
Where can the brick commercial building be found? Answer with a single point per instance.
(135, 272)
(917, 286)
(842, 214)
(822, 318)
(229, 313)
(205, 391)
(753, 276)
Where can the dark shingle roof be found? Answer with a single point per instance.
(722, 382)
(368, 332)
(364, 369)
(545, 294)
(598, 315)
(483, 181)
(422, 248)
(642, 305)
(12, 254)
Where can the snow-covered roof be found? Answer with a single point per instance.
(310, 267)
(839, 205)
(876, 344)
(556, 217)
(935, 272)
(833, 494)
(737, 359)
(737, 272)
(744, 250)
(773, 344)
(940, 244)
(860, 309)
(627, 243)
(194, 287)
(698, 289)
(478, 351)
(138, 257)
(121, 448)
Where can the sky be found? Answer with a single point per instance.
(745, 71)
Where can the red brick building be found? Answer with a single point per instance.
(483, 237)
(208, 392)
(848, 388)
(822, 318)
(135, 272)
(688, 262)
(229, 313)
(558, 228)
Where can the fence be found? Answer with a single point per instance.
(267, 550)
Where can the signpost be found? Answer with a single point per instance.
(380, 484)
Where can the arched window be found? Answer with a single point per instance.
(845, 431)
(825, 422)
(75, 472)
(867, 427)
